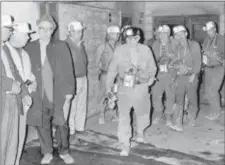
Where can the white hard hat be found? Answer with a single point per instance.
(163, 29)
(6, 21)
(179, 28)
(209, 25)
(22, 27)
(113, 29)
(75, 25)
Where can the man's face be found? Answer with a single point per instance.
(45, 30)
(133, 40)
(5, 33)
(20, 39)
(164, 36)
(180, 36)
(113, 36)
(211, 32)
(77, 35)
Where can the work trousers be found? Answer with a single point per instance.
(164, 85)
(183, 87)
(214, 78)
(78, 110)
(10, 131)
(22, 135)
(45, 132)
(102, 93)
(139, 99)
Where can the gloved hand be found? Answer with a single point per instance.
(182, 70)
(27, 102)
(142, 76)
(164, 60)
(111, 100)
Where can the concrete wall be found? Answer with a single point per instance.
(22, 11)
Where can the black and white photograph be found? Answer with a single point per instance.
(112, 82)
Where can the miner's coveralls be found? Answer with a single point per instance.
(125, 57)
(214, 70)
(190, 58)
(163, 56)
(104, 56)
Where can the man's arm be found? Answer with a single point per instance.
(197, 58)
(221, 48)
(152, 69)
(155, 52)
(99, 52)
(204, 44)
(67, 69)
(113, 70)
(6, 83)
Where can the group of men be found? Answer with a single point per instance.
(192, 59)
(171, 68)
(39, 83)
(44, 82)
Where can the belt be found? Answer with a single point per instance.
(104, 72)
(213, 66)
(137, 82)
(187, 74)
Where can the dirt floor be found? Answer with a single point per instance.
(199, 145)
(205, 140)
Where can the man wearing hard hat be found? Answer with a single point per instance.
(123, 34)
(19, 60)
(213, 62)
(187, 65)
(135, 67)
(163, 52)
(78, 111)
(10, 91)
(104, 56)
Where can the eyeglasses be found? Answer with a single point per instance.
(45, 29)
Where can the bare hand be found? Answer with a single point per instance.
(69, 97)
(16, 87)
(32, 87)
(151, 81)
(27, 101)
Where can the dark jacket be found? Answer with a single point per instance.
(79, 56)
(217, 46)
(60, 61)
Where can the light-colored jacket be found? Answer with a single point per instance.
(122, 62)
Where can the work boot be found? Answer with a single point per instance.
(68, 159)
(125, 150)
(141, 139)
(47, 158)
